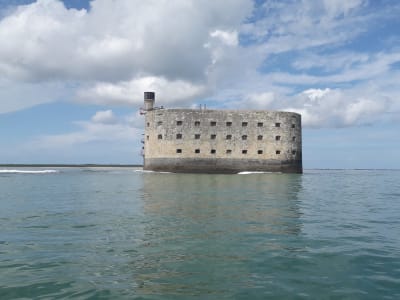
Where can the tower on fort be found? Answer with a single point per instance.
(220, 141)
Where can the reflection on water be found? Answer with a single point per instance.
(204, 233)
(119, 234)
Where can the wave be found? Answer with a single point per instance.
(7, 171)
(255, 172)
(149, 171)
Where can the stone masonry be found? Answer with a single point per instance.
(221, 141)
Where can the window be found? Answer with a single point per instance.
(197, 123)
(278, 151)
(179, 123)
(178, 150)
(260, 137)
(159, 123)
(293, 125)
(293, 152)
(148, 124)
(260, 152)
(213, 151)
(229, 137)
(294, 139)
(228, 124)
(197, 136)
(260, 124)
(213, 136)
(277, 138)
(277, 124)
(229, 151)
(159, 136)
(244, 151)
(244, 137)
(197, 151)
(213, 123)
(147, 137)
(179, 136)
(244, 124)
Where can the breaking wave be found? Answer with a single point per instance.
(7, 171)
(254, 172)
(149, 171)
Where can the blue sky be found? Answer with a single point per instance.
(73, 73)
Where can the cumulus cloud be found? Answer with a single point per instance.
(104, 117)
(118, 45)
(46, 41)
(131, 92)
(186, 50)
(337, 108)
(103, 127)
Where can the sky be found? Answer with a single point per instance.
(73, 73)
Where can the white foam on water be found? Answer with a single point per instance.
(253, 172)
(28, 171)
(149, 171)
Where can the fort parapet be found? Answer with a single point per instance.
(221, 141)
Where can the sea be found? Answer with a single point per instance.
(123, 233)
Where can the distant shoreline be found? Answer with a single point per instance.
(70, 165)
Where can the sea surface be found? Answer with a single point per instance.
(121, 233)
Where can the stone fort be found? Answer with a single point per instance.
(220, 141)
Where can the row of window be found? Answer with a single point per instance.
(229, 151)
(228, 137)
(228, 124)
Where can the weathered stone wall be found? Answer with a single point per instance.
(219, 141)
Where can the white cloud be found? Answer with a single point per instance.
(338, 108)
(115, 40)
(186, 50)
(229, 38)
(131, 92)
(17, 96)
(103, 127)
(118, 45)
(104, 117)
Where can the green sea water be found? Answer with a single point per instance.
(121, 233)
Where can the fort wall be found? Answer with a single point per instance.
(222, 141)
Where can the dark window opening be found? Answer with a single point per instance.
(179, 136)
(148, 124)
(179, 123)
(178, 150)
(159, 123)
(244, 124)
(278, 138)
(229, 151)
(260, 124)
(160, 136)
(213, 123)
(197, 151)
(197, 123)
(278, 151)
(294, 139)
(260, 152)
(229, 137)
(228, 124)
(260, 137)
(293, 125)
(197, 136)
(213, 151)
(147, 137)
(277, 124)
(293, 152)
(213, 136)
(244, 151)
(244, 137)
